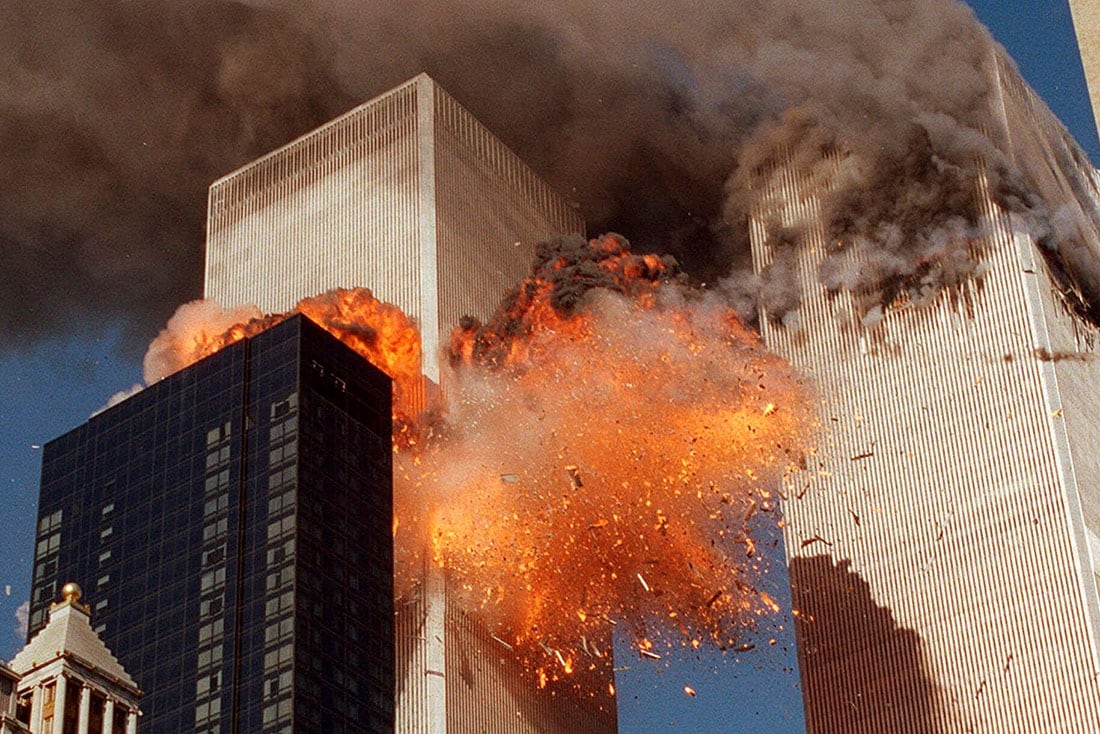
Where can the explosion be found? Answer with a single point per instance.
(378, 331)
(608, 435)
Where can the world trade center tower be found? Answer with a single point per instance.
(410, 196)
(944, 541)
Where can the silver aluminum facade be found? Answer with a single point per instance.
(1086, 23)
(410, 196)
(939, 540)
(407, 195)
(454, 676)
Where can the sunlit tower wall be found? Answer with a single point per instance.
(410, 196)
(943, 539)
(1086, 22)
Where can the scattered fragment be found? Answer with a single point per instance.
(744, 648)
(649, 654)
(509, 478)
(689, 691)
(574, 476)
(502, 642)
(769, 602)
(815, 539)
(865, 455)
(642, 580)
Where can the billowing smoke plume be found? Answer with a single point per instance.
(656, 117)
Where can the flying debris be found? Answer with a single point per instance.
(502, 642)
(650, 532)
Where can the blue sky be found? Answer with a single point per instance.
(57, 385)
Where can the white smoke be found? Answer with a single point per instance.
(118, 397)
(193, 322)
(22, 617)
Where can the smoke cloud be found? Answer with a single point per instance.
(656, 118)
(22, 617)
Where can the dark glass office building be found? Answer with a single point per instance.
(231, 527)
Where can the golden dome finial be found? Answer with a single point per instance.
(71, 592)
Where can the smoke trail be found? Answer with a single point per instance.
(654, 116)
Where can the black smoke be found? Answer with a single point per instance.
(658, 118)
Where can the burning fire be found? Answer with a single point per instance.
(608, 435)
(379, 331)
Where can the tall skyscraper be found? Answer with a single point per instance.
(232, 525)
(944, 541)
(407, 195)
(410, 196)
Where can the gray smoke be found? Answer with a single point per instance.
(656, 116)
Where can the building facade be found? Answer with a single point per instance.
(68, 682)
(232, 526)
(1086, 23)
(943, 541)
(11, 721)
(407, 195)
(410, 196)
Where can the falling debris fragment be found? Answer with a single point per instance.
(649, 654)
(815, 539)
(509, 478)
(689, 691)
(642, 580)
(574, 476)
(744, 648)
(865, 455)
(502, 642)
(771, 604)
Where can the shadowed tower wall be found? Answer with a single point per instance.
(940, 537)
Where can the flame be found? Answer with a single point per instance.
(602, 458)
(377, 330)
(608, 436)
